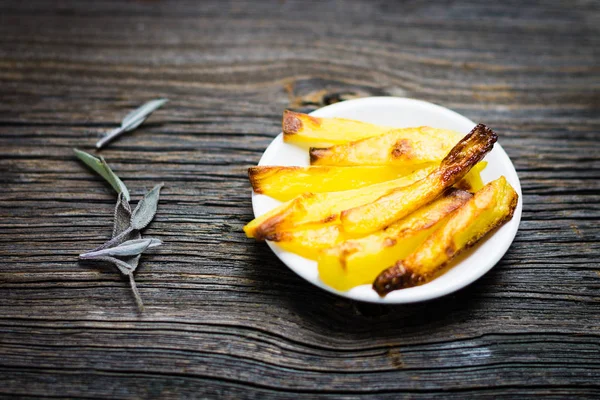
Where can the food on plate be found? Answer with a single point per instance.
(323, 208)
(309, 240)
(358, 261)
(401, 201)
(383, 206)
(403, 147)
(409, 148)
(472, 181)
(285, 183)
(345, 142)
(400, 238)
(489, 208)
(308, 131)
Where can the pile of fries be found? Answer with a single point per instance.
(378, 205)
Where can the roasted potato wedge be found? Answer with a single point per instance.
(309, 241)
(307, 131)
(358, 261)
(402, 147)
(472, 181)
(398, 203)
(491, 207)
(285, 183)
(323, 208)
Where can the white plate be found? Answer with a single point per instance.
(401, 112)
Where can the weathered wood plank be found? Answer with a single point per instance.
(225, 318)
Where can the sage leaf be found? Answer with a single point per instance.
(100, 166)
(132, 120)
(137, 116)
(134, 261)
(125, 249)
(122, 216)
(121, 230)
(115, 180)
(146, 209)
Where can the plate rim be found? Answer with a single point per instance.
(421, 295)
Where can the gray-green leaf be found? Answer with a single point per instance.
(146, 209)
(122, 216)
(126, 249)
(133, 261)
(121, 231)
(101, 167)
(139, 115)
(132, 120)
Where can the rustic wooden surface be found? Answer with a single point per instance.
(224, 317)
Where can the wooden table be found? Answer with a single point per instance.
(225, 318)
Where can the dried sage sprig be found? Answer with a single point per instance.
(126, 270)
(132, 120)
(140, 217)
(126, 246)
(101, 167)
(128, 265)
(122, 219)
(130, 248)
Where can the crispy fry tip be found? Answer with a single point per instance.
(395, 277)
(253, 176)
(317, 153)
(291, 123)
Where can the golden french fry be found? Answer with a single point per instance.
(322, 208)
(309, 241)
(411, 148)
(491, 207)
(402, 147)
(358, 261)
(305, 130)
(407, 148)
(285, 183)
(472, 181)
(396, 204)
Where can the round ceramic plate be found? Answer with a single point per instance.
(401, 112)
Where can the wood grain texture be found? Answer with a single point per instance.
(225, 318)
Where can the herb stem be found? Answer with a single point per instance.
(121, 265)
(109, 136)
(136, 293)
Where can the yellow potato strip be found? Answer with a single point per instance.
(308, 131)
(322, 207)
(358, 261)
(489, 208)
(285, 183)
(309, 241)
(402, 201)
(401, 147)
